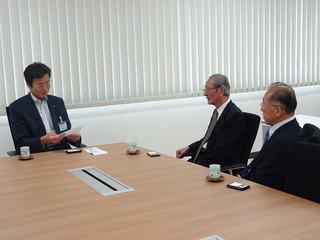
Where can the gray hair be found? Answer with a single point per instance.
(220, 80)
(285, 95)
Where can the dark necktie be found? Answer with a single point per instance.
(266, 137)
(213, 122)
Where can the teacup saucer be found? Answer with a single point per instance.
(133, 153)
(221, 178)
(23, 159)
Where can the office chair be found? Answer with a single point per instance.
(16, 152)
(12, 152)
(312, 132)
(252, 122)
(303, 177)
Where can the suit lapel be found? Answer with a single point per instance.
(32, 109)
(53, 112)
(282, 128)
(221, 118)
(265, 146)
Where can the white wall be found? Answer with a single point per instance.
(162, 126)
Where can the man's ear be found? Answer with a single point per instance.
(279, 110)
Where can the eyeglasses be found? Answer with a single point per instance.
(42, 85)
(273, 105)
(208, 89)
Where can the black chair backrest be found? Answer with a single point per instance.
(303, 178)
(312, 132)
(252, 122)
(14, 142)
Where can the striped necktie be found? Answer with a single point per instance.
(213, 122)
(266, 137)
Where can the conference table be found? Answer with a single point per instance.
(169, 199)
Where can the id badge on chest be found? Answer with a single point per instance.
(62, 125)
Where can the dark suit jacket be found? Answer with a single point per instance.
(270, 166)
(224, 143)
(27, 126)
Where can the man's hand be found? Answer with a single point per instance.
(74, 137)
(52, 138)
(181, 152)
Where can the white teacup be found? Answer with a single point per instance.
(214, 171)
(132, 147)
(25, 151)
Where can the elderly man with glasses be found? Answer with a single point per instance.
(38, 119)
(270, 166)
(222, 141)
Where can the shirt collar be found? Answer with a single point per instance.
(279, 124)
(38, 100)
(222, 107)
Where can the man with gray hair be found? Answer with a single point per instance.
(222, 141)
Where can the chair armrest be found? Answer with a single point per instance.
(12, 153)
(83, 145)
(189, 154)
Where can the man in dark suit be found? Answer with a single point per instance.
(37, 119)
(270, 166)
(222, 142)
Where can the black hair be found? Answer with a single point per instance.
(35, 70)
